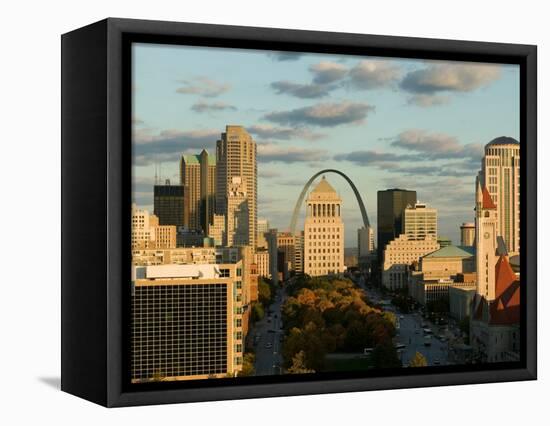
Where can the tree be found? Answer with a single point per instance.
(248, 365)
(264, 292)
(418, 360)
(298, 364)
(385, 356)
(258, 312)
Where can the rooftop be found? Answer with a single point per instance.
(452, 251)
(487, 200)
(324, 186)
(503, 140)
(195, 159)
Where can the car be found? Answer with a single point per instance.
(268, 345)
(402, 317)
(437, 362)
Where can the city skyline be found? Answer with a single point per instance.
(418, 125)
(292, 299)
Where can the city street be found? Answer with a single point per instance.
(410, 333)
(267, 339)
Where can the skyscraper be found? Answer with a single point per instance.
(236, 157)
(263, 228)
(391, 203)
(198, 176)
(323, 231)
(170, 205)
(500, 176)
(365, 241)
(419, 221)
(237, 218)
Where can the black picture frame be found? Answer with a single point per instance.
(96, 185)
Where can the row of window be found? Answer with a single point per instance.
(334, 250)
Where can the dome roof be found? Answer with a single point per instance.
(503, 140)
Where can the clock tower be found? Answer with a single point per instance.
(486, 245)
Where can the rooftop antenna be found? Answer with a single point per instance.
(156, 175)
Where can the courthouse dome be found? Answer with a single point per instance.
(503, 140)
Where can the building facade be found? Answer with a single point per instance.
(216, 230)
(400, 254)
(146, 233)
(261, 260)
(198, 176)
(299, 253)
(273, 251)
(500, 175)
(237, 218)
(177, 256)
(365, 241)
(486, 242)
(263, 228)
(419, 221)
(323, 231)
(439, 270)
(495, 324)
(467, 234)
(170, 205)
(391, 203)
(236, 158)
(286, 244)
(186, 322)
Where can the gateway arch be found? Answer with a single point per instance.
(306, 188)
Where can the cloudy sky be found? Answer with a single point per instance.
(386, 123)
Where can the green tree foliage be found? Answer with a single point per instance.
(248, 364)
(384, 355)
(264, 292)
(418, 360)
(258, 312)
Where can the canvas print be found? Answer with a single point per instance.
(305, 213)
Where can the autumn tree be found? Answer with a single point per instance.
(298, 364)
(418, 360)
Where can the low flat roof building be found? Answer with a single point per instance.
(186, 322)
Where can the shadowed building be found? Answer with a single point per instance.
(391, 204)
(170, 205)
(198, 176)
